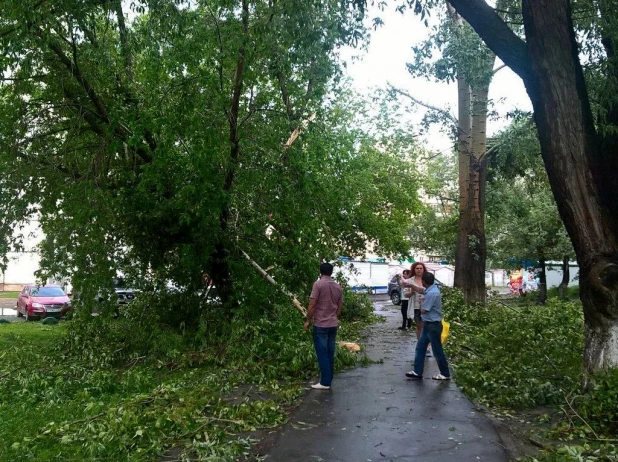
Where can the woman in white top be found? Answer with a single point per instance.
(416, 298)
(405, 298)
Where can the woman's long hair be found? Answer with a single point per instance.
(414, 265)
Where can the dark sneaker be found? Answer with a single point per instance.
(413, 375)
(402, 328)
(409, 322)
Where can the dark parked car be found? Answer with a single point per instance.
(36, 302)
(394, 290)
(124, 294)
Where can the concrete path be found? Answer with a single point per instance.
(7, 309)
(376, 414)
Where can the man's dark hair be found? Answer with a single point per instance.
(429, 278)
(326, 269)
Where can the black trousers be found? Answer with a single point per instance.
(404, 311)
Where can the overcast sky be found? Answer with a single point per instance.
(389, 50)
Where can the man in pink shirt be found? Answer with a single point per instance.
(325, 303)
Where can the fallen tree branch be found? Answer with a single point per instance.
(270, 280)
(580, 417)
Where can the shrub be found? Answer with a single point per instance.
(515, 358)
(356, 306)
(599, 406)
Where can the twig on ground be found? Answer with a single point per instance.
(135, 361)
(538, 444)
(580, 417)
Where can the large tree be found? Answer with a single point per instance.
(465, 59)
(156, 141)
(579, 152)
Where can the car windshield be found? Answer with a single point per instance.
(47, 292)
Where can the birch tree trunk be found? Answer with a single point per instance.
(471, 252)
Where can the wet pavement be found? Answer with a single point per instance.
(375, 414)
(7, 309)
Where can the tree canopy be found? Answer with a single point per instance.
(156, 141)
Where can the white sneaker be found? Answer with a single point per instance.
(319, 386)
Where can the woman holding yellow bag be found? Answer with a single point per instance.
(431, 312)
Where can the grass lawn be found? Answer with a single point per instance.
(53, 407)
(9, 294)
(131, 389)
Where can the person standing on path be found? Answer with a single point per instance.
(416, 299)
(405, 298)
(414, 286)
(431, 312)
(325, 304)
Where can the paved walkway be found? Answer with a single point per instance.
(7, 309)
(376, 414)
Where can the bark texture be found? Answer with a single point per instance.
(471, 251)
(575, 155)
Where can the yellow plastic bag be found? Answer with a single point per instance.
(445, 329)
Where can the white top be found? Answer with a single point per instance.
(416, 300)
(403, 288)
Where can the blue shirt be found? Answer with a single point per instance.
(432, 304)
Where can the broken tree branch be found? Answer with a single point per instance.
(297, 131)
(270, 280)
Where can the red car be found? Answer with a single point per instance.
(35, 302)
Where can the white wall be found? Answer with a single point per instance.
(371, 275)
(553, 273)
(21, 267)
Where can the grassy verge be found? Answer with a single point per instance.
(125, 390)
(524, 361)
(9, 294)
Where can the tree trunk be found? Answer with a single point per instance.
(549, 64)
(471, 252)
(542, 296)
(220, 273)
(566, 277)
(569, 143)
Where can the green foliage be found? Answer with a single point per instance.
(515, 357)
(522, 218)
(434, 228)
(587, 452)
(154, 147)
(598, 405)
(528, 356)
(133, 387)
(460, 51)
(9, 294)
(357, 306)
(571, 293)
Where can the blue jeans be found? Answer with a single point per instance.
(431, 334)
(324, 342)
